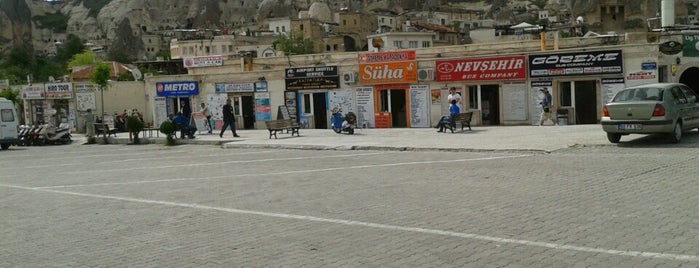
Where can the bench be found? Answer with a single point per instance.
(288, 125)
(101, 128)
(463, 118)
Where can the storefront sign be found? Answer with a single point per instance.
(175, 89)
(576, 63)
(388, 73)
(234, 87)
(206, 61)
(498, 68)
(393, 56)
(261, 86)
(34, 92)
(690, 46)
(58, 91)
(313, 83)
(319, 77)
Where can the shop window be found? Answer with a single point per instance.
(662, 74)
(473, 97)
(565, 93)
(307, 104)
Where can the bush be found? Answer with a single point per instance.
(168, 129)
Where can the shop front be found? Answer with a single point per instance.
(242, 97)
(49, 104)
(391, 74)
(576, 84)
(309, 93)
(174, 97)
(493, 88)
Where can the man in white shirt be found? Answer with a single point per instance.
(453, 95)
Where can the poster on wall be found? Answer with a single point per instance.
(537, 97)
(200, 122)
(159, 110)
(611, 86)
(216, 102)
(642, 77)
(365, 106)
(263, 112)
(419, 106)
(85, 101)
(514, 99)
(290, 102)
(342, 98)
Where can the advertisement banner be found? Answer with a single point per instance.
(234, 87)
(34, 92)
(58, 91)
(365, 106)
(690, 45)
(317, 71)
(85, 100)
(388, 73)
(576, 63)
(205, 61)
(319, 77)
(263, 111)
(497, 68)
(419, 106)
(177, 89)
(382, 57)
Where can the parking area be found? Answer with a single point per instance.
(151, 205)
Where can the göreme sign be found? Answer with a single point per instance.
(396, 67)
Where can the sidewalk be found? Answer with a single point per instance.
(491, 138)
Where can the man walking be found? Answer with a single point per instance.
(546, 108)
(228, 119)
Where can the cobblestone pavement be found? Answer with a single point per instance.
(632, 205)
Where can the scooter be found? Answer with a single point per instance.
(22, 134)
(341, 123)
(54, 135)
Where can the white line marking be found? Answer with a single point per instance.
(218, 163)
(629, 253)
(282, 172)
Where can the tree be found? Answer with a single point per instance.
(73, 45)
(294, 44)
(100, 77)
(10, 94)
(87, 57)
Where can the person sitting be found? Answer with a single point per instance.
(181, 122)
(453, 111)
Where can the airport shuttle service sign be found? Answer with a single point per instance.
(396, 67)
(498, 68)
(175, 89)
(576, 63)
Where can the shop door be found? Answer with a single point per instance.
(314, 105)
(490, 104)
(248, 112)
(394, 102)
(586, 102)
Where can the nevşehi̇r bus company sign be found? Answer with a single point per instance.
(179, 88)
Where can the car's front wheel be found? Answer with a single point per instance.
(677, 133)
(614, 137)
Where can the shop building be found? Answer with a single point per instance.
(50, 103)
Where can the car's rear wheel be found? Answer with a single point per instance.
(5, 146)
(614, 137)
(677, 133)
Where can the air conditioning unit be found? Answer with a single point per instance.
(425, 74)
(349, 77)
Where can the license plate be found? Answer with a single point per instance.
(630, 126)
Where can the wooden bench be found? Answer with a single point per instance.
(101, 128)
(463, 118)
(288, 125)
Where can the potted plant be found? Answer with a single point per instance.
(169, 130)
(135, 125)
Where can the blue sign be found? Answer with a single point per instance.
(177, 89)
(647, 66)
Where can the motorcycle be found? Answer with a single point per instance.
(23, 134)
(54, 135)
(340, 123)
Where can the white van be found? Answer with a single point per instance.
(8, 123)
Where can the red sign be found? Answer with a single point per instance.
(498, 68)
(382, 57)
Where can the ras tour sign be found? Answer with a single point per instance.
(397, 67)
(498, 68)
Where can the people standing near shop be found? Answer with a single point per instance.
(546, 108)
(453, 95)
(228, 119)
(205, 111)
(185, 109)
(453, 111)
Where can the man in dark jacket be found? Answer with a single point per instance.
(228, 119)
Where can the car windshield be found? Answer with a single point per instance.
(639, 94)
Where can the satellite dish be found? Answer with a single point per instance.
(136, 74)
(51, 79)
(377, 42)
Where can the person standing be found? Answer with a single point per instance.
(90, 121)
(228, 119)
(453, 95)
(546, 108)
(205, 111)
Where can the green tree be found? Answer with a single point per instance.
(294, 44)
(100, 77)
(10, 94)
(73, 45)
(165, 54)
(87, 57)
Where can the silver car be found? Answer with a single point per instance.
(650, 109)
